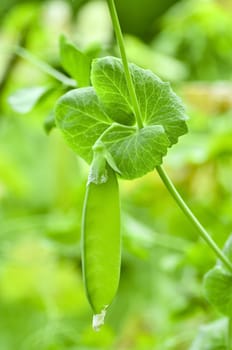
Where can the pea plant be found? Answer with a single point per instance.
(122, 120)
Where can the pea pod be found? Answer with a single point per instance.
(101, 252)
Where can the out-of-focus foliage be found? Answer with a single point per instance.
(160, 304)
(212, 336)
(199, 33)
(141, 18)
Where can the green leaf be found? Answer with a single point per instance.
(82, 120)
(104, 113)
(212, 336)
(24, 100)
(159, 105)
(75, 62)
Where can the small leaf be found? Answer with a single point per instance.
(81, 119)
(24, 100)
(75, 62)
(218, 289)
(212, 336)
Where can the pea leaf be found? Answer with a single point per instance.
(159, 105)
(75, 62)
(212, 336)
(81, 119)
(104, 112)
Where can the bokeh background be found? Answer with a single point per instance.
(160, 303)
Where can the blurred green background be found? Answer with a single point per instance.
(160, 304)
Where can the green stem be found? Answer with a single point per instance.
(188, 213)
(130, 85)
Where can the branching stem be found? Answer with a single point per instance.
(130, 85)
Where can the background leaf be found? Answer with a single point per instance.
(24, 100)
(75, 62)
(45, 67)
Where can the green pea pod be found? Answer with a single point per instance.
(101, 251)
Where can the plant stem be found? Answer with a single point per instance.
(130, 85)
(188, 213)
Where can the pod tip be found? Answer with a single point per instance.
(98, 319)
